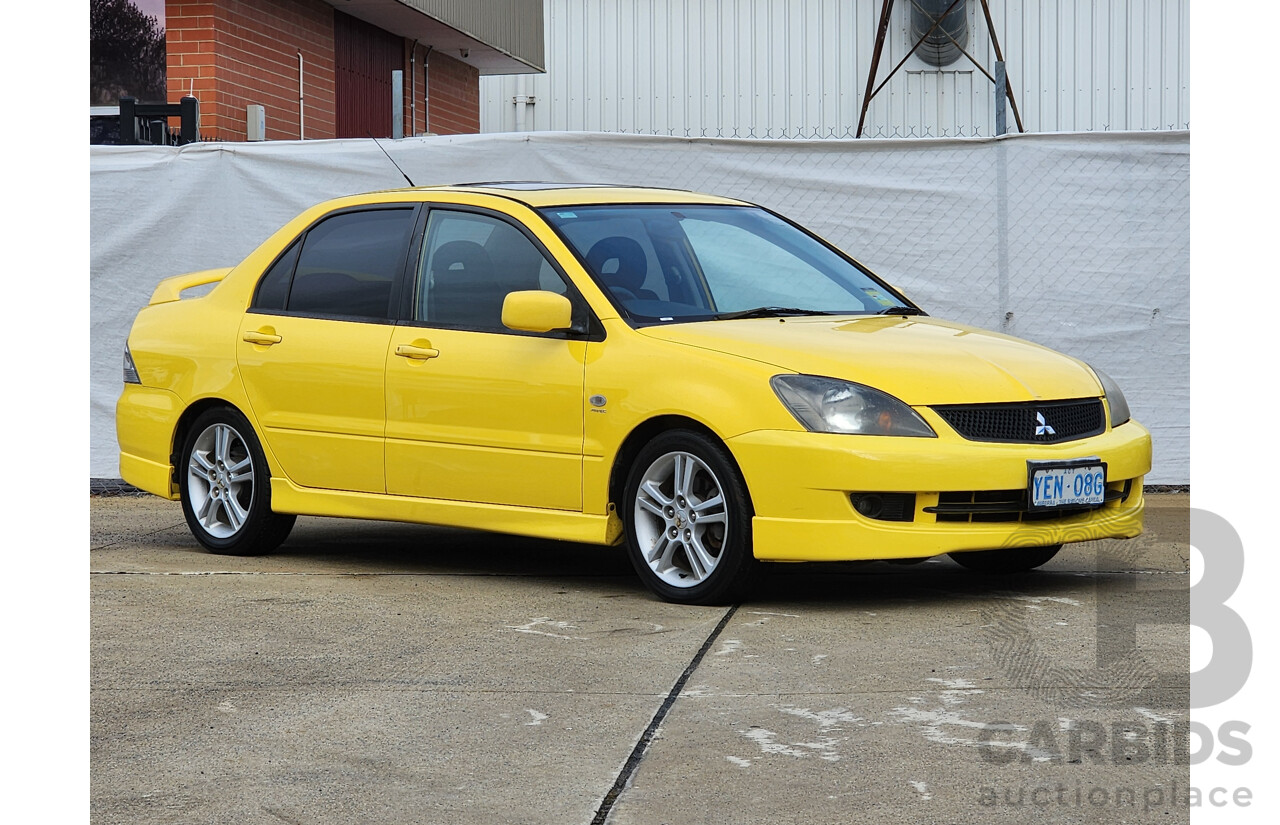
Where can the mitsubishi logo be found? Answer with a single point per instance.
(1042, 427)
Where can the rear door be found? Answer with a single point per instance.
(312, 348)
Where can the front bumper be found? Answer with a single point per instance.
(801, 483)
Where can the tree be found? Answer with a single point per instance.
(126, 53)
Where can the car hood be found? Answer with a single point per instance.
(921, 360)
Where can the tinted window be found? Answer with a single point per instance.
(349, 262)
(468, 265)
(273, 289)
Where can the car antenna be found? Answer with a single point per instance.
(384, 151)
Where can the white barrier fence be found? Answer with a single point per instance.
(1080, 242)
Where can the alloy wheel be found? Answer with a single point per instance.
(220, 480)
(681, 519)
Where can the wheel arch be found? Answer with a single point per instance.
(183, 429)
(646, 432)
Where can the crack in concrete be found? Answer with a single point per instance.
(132, 538)
(642, 745)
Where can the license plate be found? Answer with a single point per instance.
(1066, 483)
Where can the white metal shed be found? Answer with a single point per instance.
(798, 69)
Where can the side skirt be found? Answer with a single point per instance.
(287, 497)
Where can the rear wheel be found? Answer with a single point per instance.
(1006, 559)
(689, 520)
(226, 487)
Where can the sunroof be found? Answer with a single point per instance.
(526, 185)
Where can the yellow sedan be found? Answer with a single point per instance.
(695, 376)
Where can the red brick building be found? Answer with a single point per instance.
(323, 68)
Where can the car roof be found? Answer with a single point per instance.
(542, 193)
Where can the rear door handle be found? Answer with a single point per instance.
(417, 353)
(264, 339)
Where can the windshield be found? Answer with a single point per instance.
(682, 263)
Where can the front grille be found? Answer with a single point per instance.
(1048, 422)
(1011, 505)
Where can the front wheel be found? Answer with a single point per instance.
(1006, 559)
(689, 520)
(226, 487)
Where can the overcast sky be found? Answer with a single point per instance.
(155, 8)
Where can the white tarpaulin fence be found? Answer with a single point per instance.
(1080, 242)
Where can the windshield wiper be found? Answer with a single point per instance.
(901, 311)
(769, 312)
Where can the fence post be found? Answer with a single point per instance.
(1003, 299)
(189, 111)
(128, 121)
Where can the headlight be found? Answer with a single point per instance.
(1115, 398)
(130, 371)
(829, 405)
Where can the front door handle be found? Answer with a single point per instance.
(416, 351)
(262, 338)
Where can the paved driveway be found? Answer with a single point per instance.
(374, 672)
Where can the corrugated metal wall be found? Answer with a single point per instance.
(798, 68)
(514, 26)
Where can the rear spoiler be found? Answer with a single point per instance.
(170, 289)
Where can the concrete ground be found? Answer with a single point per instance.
(384, 673)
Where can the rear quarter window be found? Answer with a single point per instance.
(273, 289)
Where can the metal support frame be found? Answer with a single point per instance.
(882, 31)
(995, 42)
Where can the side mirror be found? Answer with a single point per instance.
(536, 311)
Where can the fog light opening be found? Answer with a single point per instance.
(885, 506)
(870, 505)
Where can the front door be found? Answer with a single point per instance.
(475, 411)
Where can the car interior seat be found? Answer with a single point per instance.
(623, 266)
(462, 289)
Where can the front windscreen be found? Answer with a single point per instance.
(683, 263)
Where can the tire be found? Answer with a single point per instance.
(1006, 560)
(688, 520)
(225, 486)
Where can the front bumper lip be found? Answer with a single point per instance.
(778, 539)
(800, 484)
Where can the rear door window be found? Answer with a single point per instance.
(346, 266)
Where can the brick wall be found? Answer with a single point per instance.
(238, 52)
(232, 53)
(454, 101)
